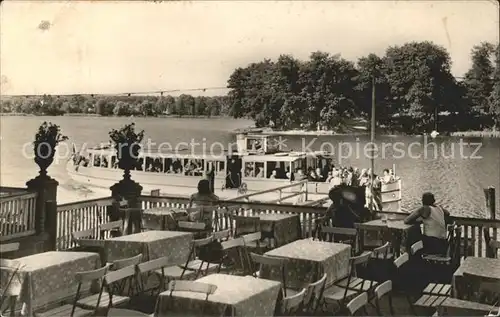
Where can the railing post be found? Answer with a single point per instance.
(489, 194)
(51, 224)
(130, 191)
(46, 188)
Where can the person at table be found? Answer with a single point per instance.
(434, 219)
(347, 206)
(203, 198)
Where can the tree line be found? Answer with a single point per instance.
(414, 90)
(183, 105)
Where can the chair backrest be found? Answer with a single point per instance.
(381, 252)
(191, 286)
(402, 259)
(89, 276)
(357, 303)
(361, 259)
(314, 293)
(191, 225)
(340, 235)
(9, 247)
(222, 235)
(339, 231)
(417, 246)
(245, 225)
(383, 289)
(201, 242)
(233, 243)
(121, 274)
(252, 237)
(111, 225)
(155, 264)
(89, 233)
(291, 305)
(122, 263)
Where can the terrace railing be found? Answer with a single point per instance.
(17, 213)
(78, 216)
(89, 214)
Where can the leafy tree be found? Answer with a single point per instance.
(494, 99)
(479, 83)
(418, 74)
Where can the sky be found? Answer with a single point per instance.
(57, 47)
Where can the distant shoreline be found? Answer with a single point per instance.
(92, 115)
(269, 131)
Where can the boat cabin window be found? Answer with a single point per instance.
(114, 162)
(217, 167)
(193, 167)
(140, 164)
(154, 164)
(254, 169)
(255, 145)
(168, 166)
(277, 170)
(177, 165)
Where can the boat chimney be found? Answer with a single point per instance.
(241, 143)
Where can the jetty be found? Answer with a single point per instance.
(124, 237)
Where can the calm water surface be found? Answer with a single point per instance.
(448, 168)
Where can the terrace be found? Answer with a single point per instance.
(55, 242)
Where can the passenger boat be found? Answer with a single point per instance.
(257, 164)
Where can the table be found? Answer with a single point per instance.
(308, 260)
(163, 218)
(489, 268)
(457, 307)
(248, 296)
(286, 227)
(152, 244)
(50, 276)
(401, 235)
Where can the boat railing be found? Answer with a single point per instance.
(301, 190)
(17, 213)
(91, 213)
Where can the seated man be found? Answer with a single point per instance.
(434, 219)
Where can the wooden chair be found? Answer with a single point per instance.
(193, 264)
(492, 246)
(381, 291)
(252, 244)
(344, 290)
(123, 263)
(11, 268)
(88, 234)
(236, 245)
(110, 288)
(292, 305)
(358, 303)
(399, 278)
(245, 225)
(223, 235)
(9, 247)
(74, 309)
(271, 263)
(314, 295)
(111, 229)
(199, 229)
(340, 235)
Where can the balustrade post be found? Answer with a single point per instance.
(128, 190)
(45, 214)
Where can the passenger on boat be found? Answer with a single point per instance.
(434, 219)
(260, 173)
(319, 175)
(274, 174)
(363, 178)
(388, 177)
(336, 180)
(204, 197)
(300, 175)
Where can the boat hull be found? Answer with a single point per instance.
(183, 186)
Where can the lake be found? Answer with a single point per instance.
(455, 170)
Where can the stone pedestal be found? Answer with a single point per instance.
(128, 190)
(46, 207)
